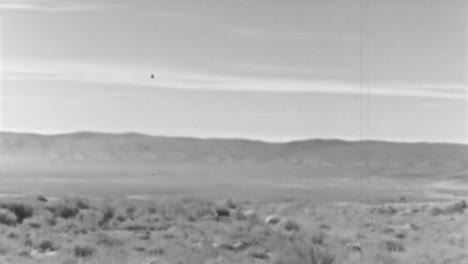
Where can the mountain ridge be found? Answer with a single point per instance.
(134, 147)
(295, 141)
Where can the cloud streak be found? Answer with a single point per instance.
(134, 76)
(54, 5)
(291, 34)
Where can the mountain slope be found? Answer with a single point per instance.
(379, 157)
(325, 170)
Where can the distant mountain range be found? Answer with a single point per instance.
(99, 163)
(383, 157)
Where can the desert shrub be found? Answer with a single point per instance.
(262, 255)
(70, 261)
(230, 203)
(28, 242)
(291, 225)
(295, 253)
(108, 240)
(260, 233)
(67, 226)
(24, 253)
(300, 251)
(108, 213)
(393, 246)
(360, 235)
(3, 250)
(380, 257)
(387, 210)
(34, 224)
(458, 207)
(388, 230)
(151, 210)
(131, 226)
(89, 217)
(13, 235)
(63, 210)
(82, 204)
(156, 252)
(435, 210)
(46, 246)
(186, 209)
(130, 212)
(120, 218)
(41, 198)
(7, 217)
(454, 208)
(324, 256)
(202, 211)
(21, 210)
(83, 251)
(318, 237)
(401, 234)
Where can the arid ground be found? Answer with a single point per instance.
(130, 198)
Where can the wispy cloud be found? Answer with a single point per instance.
(279, 71)
(55, 5)
(291, 34)
(176, 79)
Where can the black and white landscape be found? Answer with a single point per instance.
(233, 131)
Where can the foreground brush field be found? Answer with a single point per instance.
(300, 202)
(79, 230)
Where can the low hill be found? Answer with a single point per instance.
(184, 160)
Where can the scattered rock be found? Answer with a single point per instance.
(238, 246)
(272, 219)
(153, 261)
(249, 214)
(38, 254)
(354, 247)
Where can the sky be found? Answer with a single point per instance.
(266, 69)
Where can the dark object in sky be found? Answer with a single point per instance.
(152, 76)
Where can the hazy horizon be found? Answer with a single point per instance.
(234, 138)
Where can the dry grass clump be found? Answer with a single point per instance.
(46, 246)
(21, 210)
(393, 246)
(108, 240)
(63, 209)
(7, 217)
(192, 231)
(386, 210)
(317, 237)
(301, 250)
(84, 251)
(453, 208)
